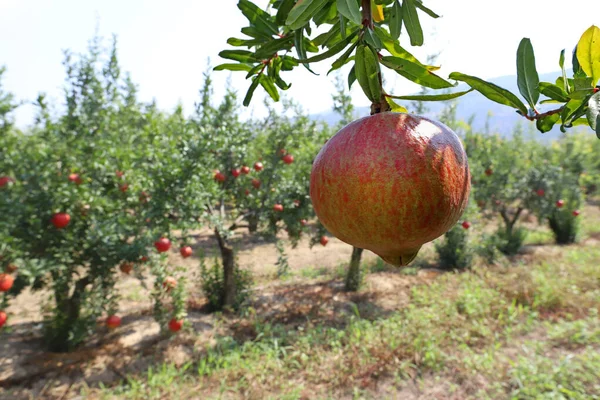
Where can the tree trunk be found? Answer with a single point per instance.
(59, 338)
(229, 290)
(354, 276)
(252, 223)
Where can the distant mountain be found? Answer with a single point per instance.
(502, 119)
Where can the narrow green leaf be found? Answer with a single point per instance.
(342, 26)
(395, 107)
(269, 86)
(588, 53)
(416, 73)
(396, 50)
(256, 33)
(299, 44)
(552, 91)
(233, 67)
(302, 12)
(239, 55)
(351, 77)
(343, 59)
(426, 10)
(251, 90)
(583, 83)
(546, 123)
(527, 76)
(373, 73)
(255, 70)
(395, 20)
(433, 97)
(360, 67)
(350, 10)
(411, 22)
(324, 37)
(283, 85)
(269, 49)
(570, 109)
(257, 17)
(372, 39)
(288, 63)
(593, 113)
(339, 46)
(243, 42)
(326, 15)
(283, 11)
(581, 94)
(491, 91)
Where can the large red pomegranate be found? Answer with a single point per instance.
(390, 183)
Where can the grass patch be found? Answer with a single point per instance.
(461, 328)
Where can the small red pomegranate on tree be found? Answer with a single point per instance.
(6, 282)
(361, 173)
(119, 174)
(60, 220)
(113, 322)
(540, 192)
(76, 179)
(278, 208)
(489, 172)
(288, 159)
(576, 213)
(560, 203)
(219, 176)
(162, 245)
(175, 325)
(236, 172)
(323, 240)
(124, 187)
(126, 267)
(255, 183)
(3, 318)
(245, 170)
(186, 251)
(169, 283)
(466, 224)
(5, 180)
(258, 166)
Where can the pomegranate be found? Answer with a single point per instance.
(113, 322)
(175, 325)
(560, 203)
(323, 240)
(169, 283)
(540, 192)
(466, 224)
(255, 183)
(60, 220)
(288, 159)
(162, 245)
(576, 213)
(219, 177)
(4, 180)
(6, 282)
(126, 267)
(236, 172)
(245, 170)
(389, 183)
(186, 251)
(278, 208)
(3, 318)
(75, 178)
(258, 166)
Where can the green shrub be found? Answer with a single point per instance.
(213, 284)
(455, 252)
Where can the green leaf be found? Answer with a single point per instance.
(546, 123)
(257, 17)
(350, 10)
(256, 33)
(326, 15)
(243, 42)
(339, 46)
(283, 85)
(373, 73)
(244, 56)
(395, 107)
(283, 11)
(395, 20)
(321, 39)
(255, 70)
(343, 59)
(433, 97)
(527, 76)
(288, 63)
(342, 26)
(396, 50)
(570, 109)
(299, 43)
(491, 91)
(269, 49)
(426, 10)
(351, 77)
(588, 53)
(302, 12)
(593, 113)
(232, 67)
(411, 22)
(269, 86)
(372, 39)
(416, 73)
(581, 94)
(251, 90)
(561, 63)
(362, 74)
(583, 83)
(552, 91)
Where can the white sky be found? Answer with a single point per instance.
(165, 44)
